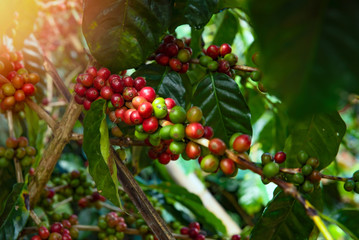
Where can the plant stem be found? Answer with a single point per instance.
(335, 178)
(42, 114)
(35, 217)
(63, 202)
(236, 67)
(121, 141)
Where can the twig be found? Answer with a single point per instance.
(42, 114)
(58, 188)
(35, 217)
(110, 207)
(63, 202)
(121, 141)
(236, 67)
(52, 153)
(336, 178)
(10, 123)
(291, 170)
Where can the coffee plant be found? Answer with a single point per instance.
(192, 119)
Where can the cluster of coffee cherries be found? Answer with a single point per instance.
(174, 53)
(96, 84)
(353, 183)
(271, 164)
(59, 230)
(17, 148)
(219, 59)
(112, 226)
(194, 231)
(93, 200)
(47, 198)
(75, 184)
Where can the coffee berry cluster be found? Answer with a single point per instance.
(271, 164)
(219, 59)
(17, 148)
(111, 226)
(59, 230)
(16, 82)
(174, 53)
(353, 183)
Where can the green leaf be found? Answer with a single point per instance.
(7, 180)
(196, 41)
(26, 10)
(168, 84)
(283, 218)
(319, 135)
(16, 212)
(232, 4)
(121, 34)
(196, 13)
(223, 106)
(225, 34)
(174, 193)
(308, 51)
(96, 147)
(345, 219)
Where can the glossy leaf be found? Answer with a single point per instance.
(196, 42)
(96, 147)
(223, 106)
(225, 34)
(16, 212)
(308, 51)
(121, 34)
(26, 11)
(7, 180)
(167, 83)
(232, 4)
(283, 218)
(319, 135)
(345, 218)
(196, 13)
(174, 193)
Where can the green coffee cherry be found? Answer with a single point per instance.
(356, 176)
(307, 170)
(308, 187)
(271, 169)
(266, 158)
(302, 157)
(349, 185)
(204, 60)
(165, 132)
(298, 178)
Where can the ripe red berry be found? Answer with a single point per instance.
(194, 130)
(117, 100)
(217, 146)
(87, 104)
(117, 84)
(213, 51)
(11, 75)
(43, 232)
(139, 83)
(184, 68)
(175, 64)
(128, 81)
(104, 72)
(36, 237)
(82, 203)
(19, 95)
(162, 59)
(119, 112)
(184, 230)
(106, 92)
(66, 223)
(224, 49)
(66, 237)
(99, 82)
(195, 225)
(80, 89)
(208, 132)
(223, 66)
(170, 103)
(137, 101)
(127, 116)
(227, 166)
(28, 89)
(193, 232)
(200, 237)
(148, 93)
(280, 157)
(57, 227)
(86, 79)
(92, 94)
(169, 39)
(164, 158)
(92, 71)
(73, 219)
(31, 171)
(242, 143)
(79, 99)
(136, 117)
(171, 49)
(129, 93)
(193, 150)
(236, 237)
(152, 154)
(150, 124)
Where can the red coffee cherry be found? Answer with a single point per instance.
(164, 158)
(162, 59)
(170, 103)
(208, 132)
(104, 72)
(80, 89)
(224, 49)
(43, 232)
(193, 150)
(175, 64)
(280, 157)
(106, 92)
(148, 93)
(150, 124)
(28, 89)
(136, 117)
(99, 82)
(213, 51)
(139, 83)
(91, 94)
(117, 100)
(145, 109)
(227, 166)
(217, 146)
(128, 81)
(242, 143)
(194, 130)
(92, 71)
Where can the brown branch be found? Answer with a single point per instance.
(121, 141)
(236, 67)
(34, 217)
(291, 170)
(335, 178)
(63, 202)
(139, 199)
(52, 153)
(42, 114)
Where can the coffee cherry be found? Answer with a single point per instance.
(159, 109)
(256, 76)
(356, 176)
(87, 104)
(129, 93)
(169, 39)
(150, 124)
(121, 226)
(175, 64)
(117, 100)
(266, 158)
(171, 49)
(137, 101)
(139, 83)
(86, 79)
(117, 84)
(298, 178)
(213, 66)
(302, 157)
(314, 162)
(57, 227)
(184, 230)
(307, 170)
(193, 233)
(23, 142)
(162, 59)
(164, 158)
(8, 102)
(148, 93)
(209, 163)
(177, 147)
(224, 49)
(106, 93)
(184, 68)
(79, 100)
(307, 186)
(36, 237)
(91, 94)
(128, 81)
(136, 117)
(270, 170)
(280, 157)
(127, 116)
(28, 89)
(104, 72)
(194, 114)
(195, 225)
(80, 89)
(217, 146)
(208, 132)
(17, 81)
(184, 55)
(227, 166)
(349, 185)
(55, 236)
(213, 51)
(200, 237)
(170, 103)
(177, 132)
(242, 143)
(92, 71)
(223, 66)
(315, 176)
(205, 60)
(236, 237)
(43, 232)
(165, 132)
(177, 114)
(11, 142)
(255, 58)
(194, 130)
(99, 82)
(193, 150)
(145, 110)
